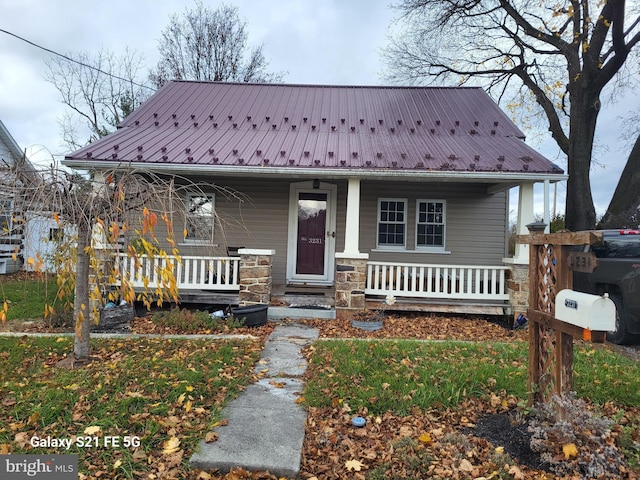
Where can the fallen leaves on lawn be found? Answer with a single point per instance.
(428, 327)
(161, 391)
(419, 445)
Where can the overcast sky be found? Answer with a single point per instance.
(335, 42)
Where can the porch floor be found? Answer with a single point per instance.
(322, 298)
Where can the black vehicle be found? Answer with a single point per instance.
(618, 274)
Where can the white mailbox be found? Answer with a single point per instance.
(585, 310)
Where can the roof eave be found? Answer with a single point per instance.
(297, 172)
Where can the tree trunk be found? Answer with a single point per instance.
(623, 209)
(81, 317)
(580, 212)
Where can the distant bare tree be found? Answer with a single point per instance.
(546, 60)
(206, 44)
(99, 90)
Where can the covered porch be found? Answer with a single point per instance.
(231, 280)
(359, 281)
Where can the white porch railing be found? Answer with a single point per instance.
(459, 282)
(191, 273)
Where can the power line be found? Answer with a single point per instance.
(75, 61)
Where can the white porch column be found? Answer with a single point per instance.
(525, 216)
(546, 217)
(351, 265)
(352, 224)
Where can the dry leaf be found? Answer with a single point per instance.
(425, 438)
(117, 464)
(170, 446)
(353, 465)
(515, 471)
(4, 449)
(139, 455)
(22, 439)
(569, 450)
(93, 430)
(33, 418)
(211, 437)
(465, 465)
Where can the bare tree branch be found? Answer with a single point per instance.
(561, 57)
(98, 100)
(206, 44)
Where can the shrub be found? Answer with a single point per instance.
(573, 440)
(185, 320)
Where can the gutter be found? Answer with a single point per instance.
(325, 173)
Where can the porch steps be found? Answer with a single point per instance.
(294, 313)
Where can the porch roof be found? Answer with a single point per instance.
(303, 130)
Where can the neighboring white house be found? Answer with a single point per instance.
(18, 232)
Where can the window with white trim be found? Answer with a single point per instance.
(392, 222)
(430, 224)
(200, 218)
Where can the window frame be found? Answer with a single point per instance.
(188, 216)
(385, 246)
(431, 248)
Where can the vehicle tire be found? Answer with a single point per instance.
(619, 336)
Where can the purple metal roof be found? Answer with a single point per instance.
(293, 126)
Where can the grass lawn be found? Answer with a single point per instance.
(422, 402)
(400, 375)
(27, 294)
(161, 391)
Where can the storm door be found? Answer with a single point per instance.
(311, 235)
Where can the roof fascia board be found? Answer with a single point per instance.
(458, 176)
(8, 139)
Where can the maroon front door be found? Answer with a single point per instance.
(312, 227)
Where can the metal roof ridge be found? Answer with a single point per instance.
(320, 85)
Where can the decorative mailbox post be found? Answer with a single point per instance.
(556, 313)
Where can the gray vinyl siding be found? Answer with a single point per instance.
(262, 220)
(475, 222)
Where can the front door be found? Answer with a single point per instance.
(311, 234)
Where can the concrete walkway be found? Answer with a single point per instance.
(265, 429)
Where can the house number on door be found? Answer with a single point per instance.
(317, 241)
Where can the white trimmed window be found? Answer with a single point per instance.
(392, 223)
(200, 218)
(430, 224)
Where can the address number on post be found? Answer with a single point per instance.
(582, 261)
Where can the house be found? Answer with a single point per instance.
(12, 225)
(365, 191)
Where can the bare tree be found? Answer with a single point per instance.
(206, 44)
(555, 57)
(99, 90)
